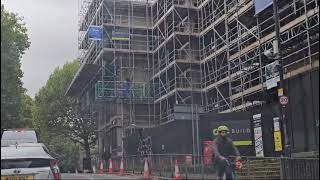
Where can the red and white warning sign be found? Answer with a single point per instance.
(283, 100)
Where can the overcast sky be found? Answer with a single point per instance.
(52, 28)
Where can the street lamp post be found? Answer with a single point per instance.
(277, 51)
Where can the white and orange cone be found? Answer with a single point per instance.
(101, 167)
(146, 173)
(110, 167)
(176, 171)
(121, 173)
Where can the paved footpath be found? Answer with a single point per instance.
(82, 176)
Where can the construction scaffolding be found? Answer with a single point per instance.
(156, 54)
(233, 42)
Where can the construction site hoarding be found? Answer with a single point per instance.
(237, 122)
(176, 136)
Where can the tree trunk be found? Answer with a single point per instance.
(87, 151)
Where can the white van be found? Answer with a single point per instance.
(18, 136)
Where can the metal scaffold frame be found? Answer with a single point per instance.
(233, 62)
(156, 54)
(176, 68)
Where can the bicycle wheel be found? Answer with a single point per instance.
(234, 175)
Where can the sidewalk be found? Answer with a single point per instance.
(183, 176)
(86, 176)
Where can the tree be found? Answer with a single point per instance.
(27, 104)
(14, 42)
(54, 113)
(65, 151)
(80, 128)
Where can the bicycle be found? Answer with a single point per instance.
(231, 166)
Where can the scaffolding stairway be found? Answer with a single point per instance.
(260, 169)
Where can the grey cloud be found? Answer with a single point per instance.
(52, 29)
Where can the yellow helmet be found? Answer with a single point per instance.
(215, 131)
(223, 128)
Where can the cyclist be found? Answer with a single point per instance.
(223, 148)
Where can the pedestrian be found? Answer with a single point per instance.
(224, 149)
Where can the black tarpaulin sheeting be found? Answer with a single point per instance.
(176, 137)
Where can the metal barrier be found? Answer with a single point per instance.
(260, 168)
(163, 165)
(299, 168)
(193, 167)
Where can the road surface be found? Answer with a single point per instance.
(96, 176)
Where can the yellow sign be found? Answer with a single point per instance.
(280, 92)
(20, 177)
(242, 143)
(277, 141)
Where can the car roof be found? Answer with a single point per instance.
(23, 134)
(26, 150)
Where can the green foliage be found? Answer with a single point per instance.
(27, 105)
(50, 102)
(65, 151)
(14, 42)
(55, 118)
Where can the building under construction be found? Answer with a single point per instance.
(163, 60)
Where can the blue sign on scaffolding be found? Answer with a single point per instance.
(261, 5)
(95, 33)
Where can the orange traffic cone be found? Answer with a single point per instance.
(121, 173)
(146, 173)
(110, 167)
(101, 167)
(176, 171)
